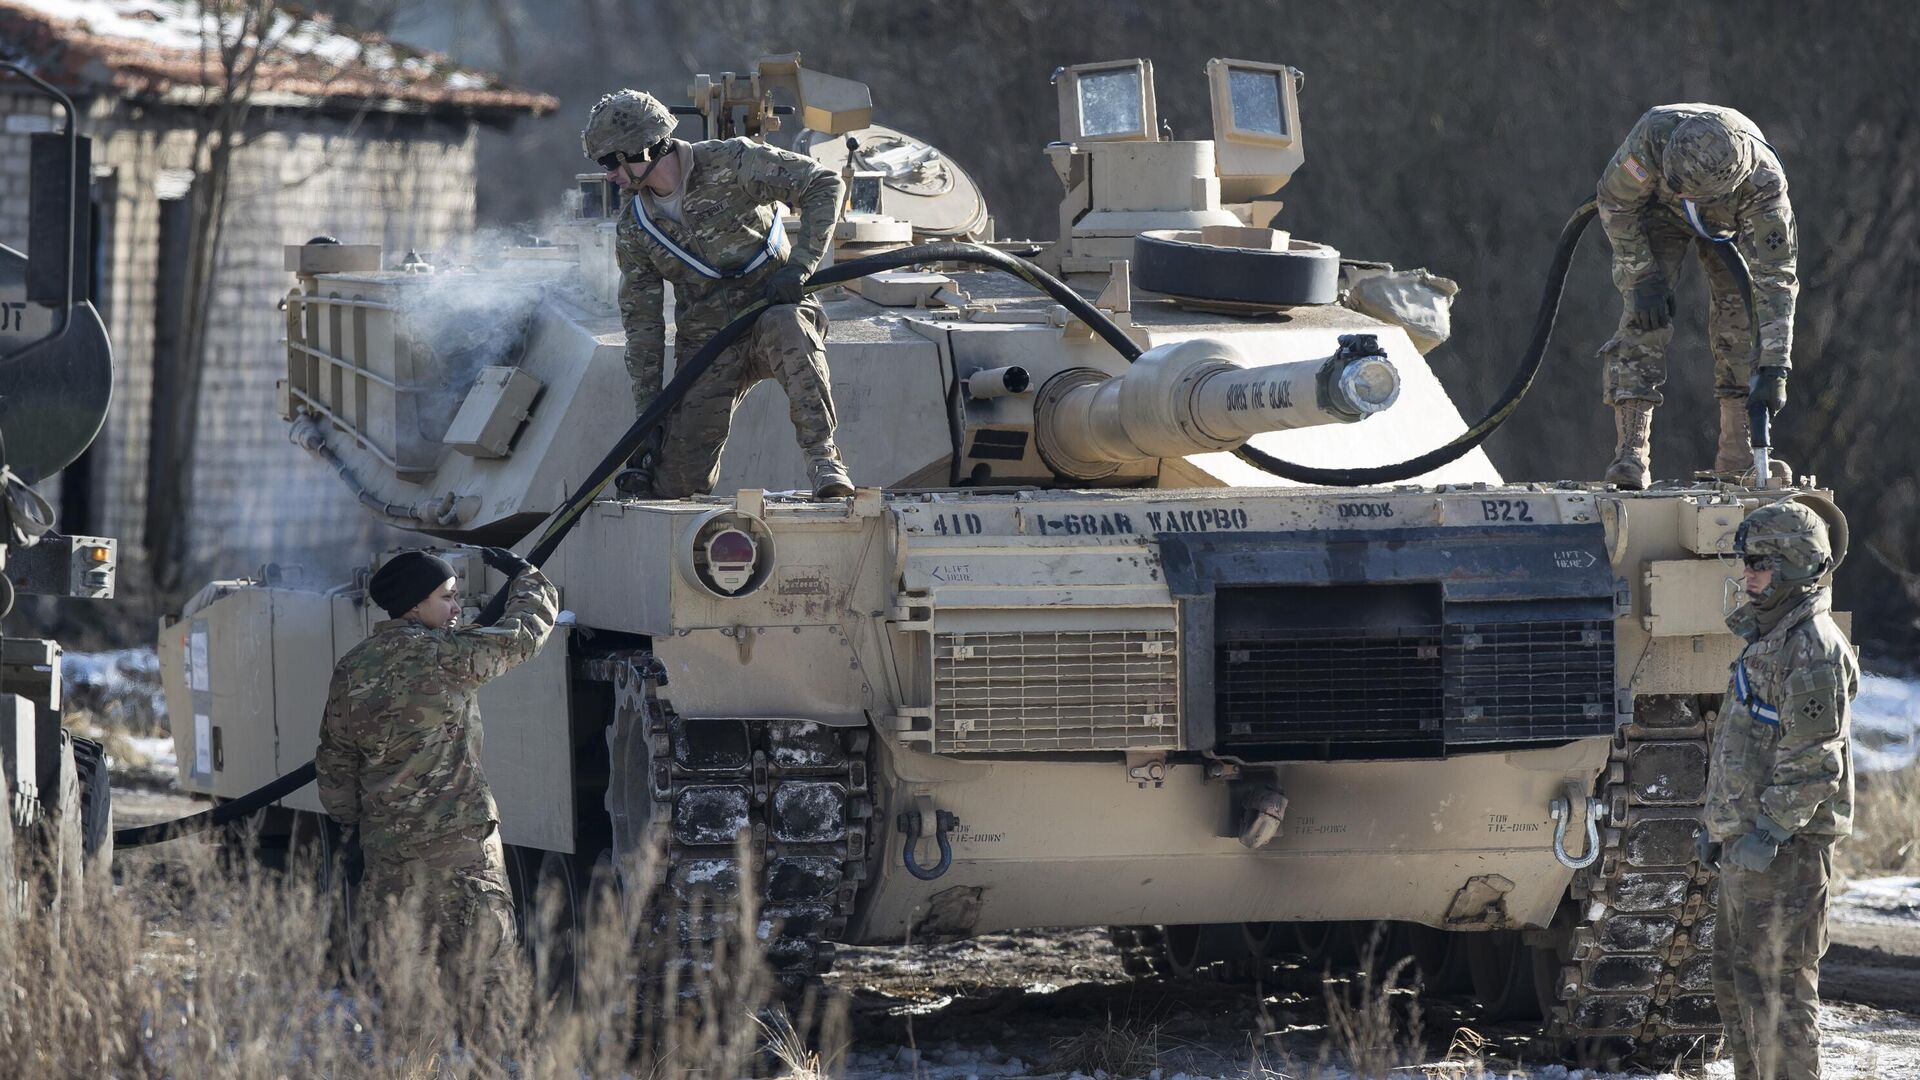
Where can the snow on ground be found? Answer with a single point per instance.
(1857, 1043)
(1886, 724)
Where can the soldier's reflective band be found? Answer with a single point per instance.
(700, 266)
(1699, 226)
(1759, 709)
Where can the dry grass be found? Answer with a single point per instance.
(1125, 1049)
(1886, 826)
(204, 965)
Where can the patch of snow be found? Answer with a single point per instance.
(1886, 724)
(157, 750)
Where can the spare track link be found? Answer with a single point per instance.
(797, 789)
(1638, 966)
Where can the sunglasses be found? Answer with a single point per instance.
(617, 158)
(1758, 562)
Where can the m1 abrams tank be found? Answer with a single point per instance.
(1069, 658)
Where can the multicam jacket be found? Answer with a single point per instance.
(400, 739)
(726, 212)
(1756, 215)
(1780, 747)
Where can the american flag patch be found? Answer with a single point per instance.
(1634, 167)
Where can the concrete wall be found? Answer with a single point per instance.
(401, 181)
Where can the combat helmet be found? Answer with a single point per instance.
(627, 121)
(1793, 540)
(1705, 159)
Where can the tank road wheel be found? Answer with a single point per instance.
(1192, 949)
(1502, 969)
(554, 923)
(1328, 944)
(1441, 958)
(1637, 971)
(797, 790)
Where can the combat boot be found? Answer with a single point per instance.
(1734, 459)
(1633, 425)
(830, 479)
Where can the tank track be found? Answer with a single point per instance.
(1635, 969)
(797, 789)
(1143, 950)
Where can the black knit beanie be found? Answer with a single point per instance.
(407, 579)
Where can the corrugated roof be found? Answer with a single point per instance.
(168, 50)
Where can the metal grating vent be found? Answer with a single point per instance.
(1539, 679)
(1310, 684)
(1459, 683)
(1035, 690)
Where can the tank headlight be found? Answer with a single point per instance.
(726, 553)
(730, 558)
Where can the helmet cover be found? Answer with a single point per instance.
(628, 122)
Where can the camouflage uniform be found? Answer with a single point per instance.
(399, 757)
(1647, 222)
(727, 189)
(1780, 761)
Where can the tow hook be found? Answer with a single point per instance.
(911, 822)
(1596, 810)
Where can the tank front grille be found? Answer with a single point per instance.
(1493, 681)
(1039, 690)
(1533, 680)
(1316, 684)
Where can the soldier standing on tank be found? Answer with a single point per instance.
(1779, 795)
(1696, 175)
(705, 216)
(399, 754)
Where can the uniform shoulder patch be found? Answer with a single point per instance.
(1773, 236)
(1634, 168)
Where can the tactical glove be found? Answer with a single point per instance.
(1754, 852)
(1768, 386)
(1650, 305)
(785, 285)
(504, 561)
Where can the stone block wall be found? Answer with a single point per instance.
(401, 181)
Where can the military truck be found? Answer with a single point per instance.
(1065, 658)
(56, 377)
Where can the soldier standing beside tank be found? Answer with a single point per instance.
(1696, 175)
(1779, 794)
(705, 217)
(399, 753)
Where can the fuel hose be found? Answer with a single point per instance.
(1496, 415)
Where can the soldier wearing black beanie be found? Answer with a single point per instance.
(407, 579)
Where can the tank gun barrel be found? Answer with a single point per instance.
(1199, 396)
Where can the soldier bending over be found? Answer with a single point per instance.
(705, 217)
(1779, 794)
(399, 749)
(1696, 175)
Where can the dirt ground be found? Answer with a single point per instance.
(1025, 1003)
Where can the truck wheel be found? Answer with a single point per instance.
(96, 801)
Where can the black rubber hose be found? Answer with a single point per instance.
(1516, 389)
(224, 814)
